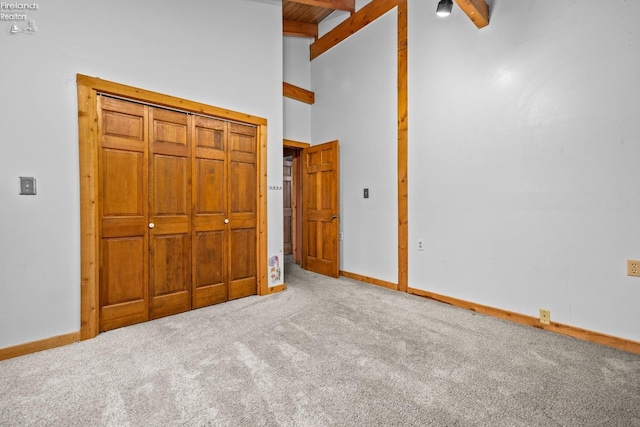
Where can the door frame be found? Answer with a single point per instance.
(88, 90)
(294, 148)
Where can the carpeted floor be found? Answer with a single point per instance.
(324, 353)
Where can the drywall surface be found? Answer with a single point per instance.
(356, 103)
(337, 17)
(297, 71)
(524, 159)
(226, 53)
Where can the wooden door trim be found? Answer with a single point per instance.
(289, 143)
(88, 90)
(295, 149)
(403, 148)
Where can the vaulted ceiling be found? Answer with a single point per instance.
(301, 17)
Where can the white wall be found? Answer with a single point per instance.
(297, 71)
(356, 103)
(226, 53)
(337, 17)
(524, 159)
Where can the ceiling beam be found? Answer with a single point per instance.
(476, 10)
(363, 17)
(348, 5)
(298, 93)
(299, 29)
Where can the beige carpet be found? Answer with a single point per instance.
(324, 353)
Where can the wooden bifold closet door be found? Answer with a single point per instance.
(178, 218)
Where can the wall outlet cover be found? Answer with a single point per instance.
(633, 267)
(545, 316)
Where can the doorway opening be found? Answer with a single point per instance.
(292, 199)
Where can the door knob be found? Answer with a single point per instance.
(151, 225)
(226, 221)
(335, 216)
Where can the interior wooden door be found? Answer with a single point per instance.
(122, 190)
(210, 237)
(321, 209)
(169, 213)
(242, 187)
(287, 197)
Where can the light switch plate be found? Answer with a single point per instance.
(27, 186)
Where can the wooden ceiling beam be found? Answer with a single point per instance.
(476, 10)
(298, 93)
(299, 29)
(347, 5)
(363, 17)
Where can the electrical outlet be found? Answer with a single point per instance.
(420, 245)
(633, 268)
(545, 316)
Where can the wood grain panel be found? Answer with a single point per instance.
(123, 270)
(169, 185)
(123, 125)
(170, 264)
(168, 141)
(403, 149)
(122, 119)
(346, 5)
(210, 201)
(298, 93)
(96, 85)
(170, 211)
(242, 263)
(210, 137)
(321, 209)
(370, 280)
(123, 183)
(243, 177)
(123, 256)
(476, 10)
(242, 254)
(293, 11)
(90, 206)
(299, 29)
(210, 178)
(210, 258)
(289, 143)
(39, 345)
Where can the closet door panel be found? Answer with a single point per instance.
(242, 249)
(242, 187)
(209, 201)
(170, 213)
(209, 268)
(122, 190)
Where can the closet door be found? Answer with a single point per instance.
(209, 212)
(122, 191)
(178, 212)
(242, 190)
(169, 213)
